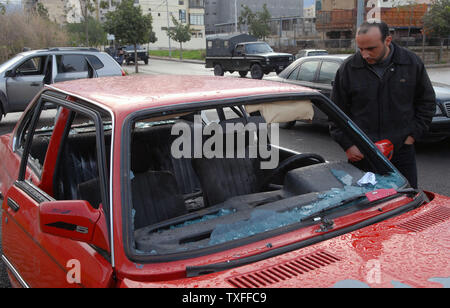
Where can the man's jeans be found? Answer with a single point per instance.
(404, 160)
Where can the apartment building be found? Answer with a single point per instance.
(59, 11)
(337, 19)
(222, 14)
(190, 12)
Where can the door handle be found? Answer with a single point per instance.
(13, 205)
(35, 84)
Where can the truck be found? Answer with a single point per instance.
(142, 54)
(243, 53)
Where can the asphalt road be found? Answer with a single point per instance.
(433, 159)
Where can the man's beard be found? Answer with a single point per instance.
(383, 55)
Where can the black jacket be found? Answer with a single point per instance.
(400, 104)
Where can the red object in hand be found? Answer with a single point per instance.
(386, 147)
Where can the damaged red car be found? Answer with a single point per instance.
(182, 182)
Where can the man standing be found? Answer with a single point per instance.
(386, 91)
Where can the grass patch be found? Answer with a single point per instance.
(187, 54)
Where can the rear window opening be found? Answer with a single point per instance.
(214, 178)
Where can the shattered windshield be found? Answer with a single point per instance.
(213, 177)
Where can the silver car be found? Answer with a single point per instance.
(22, 76)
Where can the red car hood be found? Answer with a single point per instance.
(410, 250)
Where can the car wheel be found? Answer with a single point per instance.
(243, 73)
(287, 125)
(218, 70)
(146, 61)
(256, 71)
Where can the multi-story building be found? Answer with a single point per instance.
(185, 11)
(59, 11)
(310, 11)
(222, 14)
(337, 19)
(190, 12)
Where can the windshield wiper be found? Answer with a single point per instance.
(369, 197)
(376, 196)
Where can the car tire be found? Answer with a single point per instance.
(243, 74)
(146, 61)
(256, 71)
(218, 70)
(1, 111)
(287, 125)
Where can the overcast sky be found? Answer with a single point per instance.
(308, 3)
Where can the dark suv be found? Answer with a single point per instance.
(243, 53)
(142, 54)
(22, 76)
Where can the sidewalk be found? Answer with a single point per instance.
(178, 60)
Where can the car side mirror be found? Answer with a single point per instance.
(386, 147)
(76, 220)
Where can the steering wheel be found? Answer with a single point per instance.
(296, 161)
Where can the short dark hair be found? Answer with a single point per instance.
(381, 25)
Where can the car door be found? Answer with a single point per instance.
(26, 81)
(70, 67)
(239, 61)
(304, 74)
(34, 258)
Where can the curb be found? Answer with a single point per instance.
(447, 65)
(178, 60)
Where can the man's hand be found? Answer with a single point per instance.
(410, 140)
(353, 154)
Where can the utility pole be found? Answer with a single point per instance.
(235, 16)
(168, 27)
(359, 18)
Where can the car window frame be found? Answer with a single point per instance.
(83, 58)
(46, 96)
(315, 73)
(42, 61)
(320, 70)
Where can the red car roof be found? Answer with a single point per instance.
(137, 92)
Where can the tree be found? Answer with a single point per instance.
(257, 23)
(42, 11)
(129, 25)
(87, 7)
(436, 21)
(96, 34)
(179, 33)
